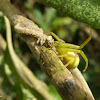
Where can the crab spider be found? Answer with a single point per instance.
(68, 52)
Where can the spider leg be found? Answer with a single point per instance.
(72, 46)
(64, 55)
(67, 45)
(56, 37)
(62, 43)
(82, 54)
(69, 62)
(68, 55)
(86, 41)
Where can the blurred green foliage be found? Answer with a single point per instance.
(67, 29)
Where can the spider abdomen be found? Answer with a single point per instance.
(71, 60)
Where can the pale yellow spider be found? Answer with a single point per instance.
(68, 52)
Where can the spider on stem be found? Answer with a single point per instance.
(68, 52)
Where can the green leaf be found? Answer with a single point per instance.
(22, 73)
(87, 11)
